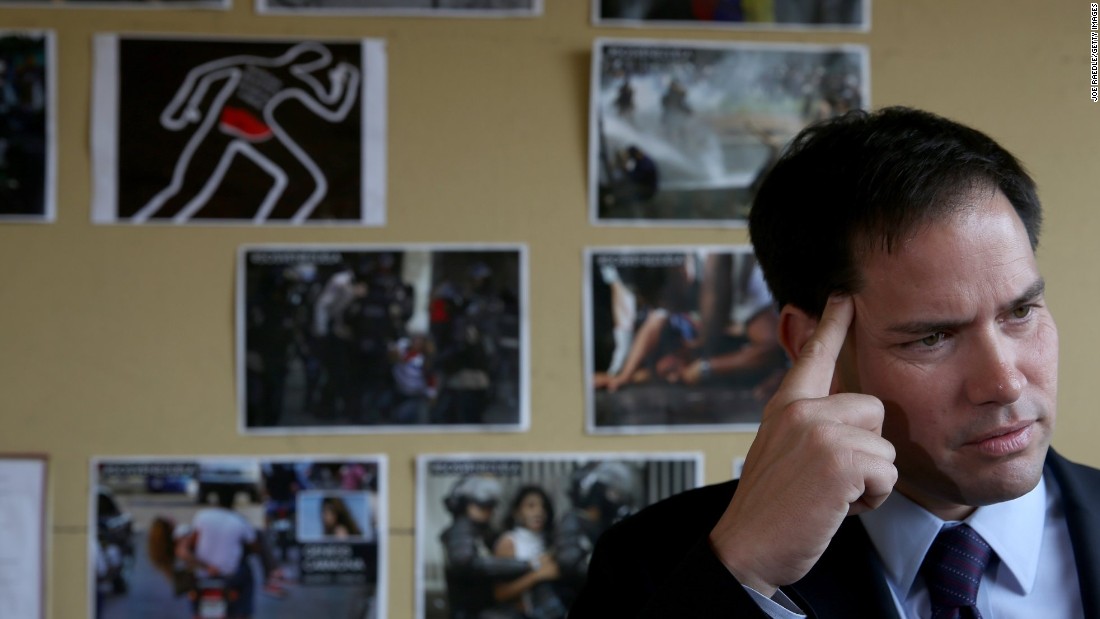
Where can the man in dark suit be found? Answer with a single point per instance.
(903, 468)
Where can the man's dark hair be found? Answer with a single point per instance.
(864, 181)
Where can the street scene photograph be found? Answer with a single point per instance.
(278, 538)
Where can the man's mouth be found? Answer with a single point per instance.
(1005, 440)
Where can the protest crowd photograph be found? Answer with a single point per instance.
(681, 132)
(679, 339)
(349, 339)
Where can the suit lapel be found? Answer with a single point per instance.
(1080, 488)
(848, 580)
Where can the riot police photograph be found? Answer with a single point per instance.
(346, 339)
(508, 536)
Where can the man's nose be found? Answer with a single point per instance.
(993, 375)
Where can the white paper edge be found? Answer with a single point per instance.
(42, 537)
(373, 139)
(104, 128)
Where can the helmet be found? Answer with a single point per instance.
(478, 489)
(607, 484)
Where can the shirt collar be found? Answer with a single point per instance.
(902, 532)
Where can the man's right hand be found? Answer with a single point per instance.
(817, 458)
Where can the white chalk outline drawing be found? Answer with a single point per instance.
(184, 111)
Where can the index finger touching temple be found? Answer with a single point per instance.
(811, 376)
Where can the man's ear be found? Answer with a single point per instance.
(795, 329)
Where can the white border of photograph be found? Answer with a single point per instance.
(24, 500)
(589, 354)
(49, 194)
(422, 500)
(381, 460)
(523, 423)
(105, 127)
(265, 7)
(863, 26)
(738, 466)
(593, 152)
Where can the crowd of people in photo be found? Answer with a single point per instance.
(528, 562)
(346, 329)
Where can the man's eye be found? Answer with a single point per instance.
(933, 339)
(1022, 312)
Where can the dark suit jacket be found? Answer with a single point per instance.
(658, 563)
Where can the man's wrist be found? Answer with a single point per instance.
(744, 576)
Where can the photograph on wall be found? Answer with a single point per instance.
(247, 132)
(279, 537)
(23, 530)
(678, 339)
(509, 536)
(735, 14)
(681, 132)
(27, 126)
(344, 339)
(406, 8)
(121, 4)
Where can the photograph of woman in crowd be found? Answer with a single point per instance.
(528, 535)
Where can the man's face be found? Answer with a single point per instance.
(952, 333)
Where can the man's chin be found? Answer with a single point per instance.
(1003, 481)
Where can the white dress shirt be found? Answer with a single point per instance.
(1032, 574)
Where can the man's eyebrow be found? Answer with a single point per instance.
(1032, 293)
(919, 327)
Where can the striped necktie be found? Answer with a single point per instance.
(953, 571)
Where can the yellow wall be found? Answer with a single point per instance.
(119, 340)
